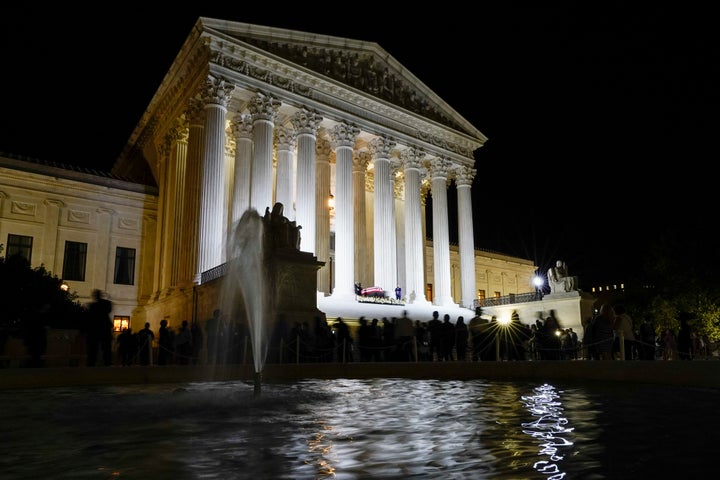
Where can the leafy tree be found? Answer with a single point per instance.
(25, 291)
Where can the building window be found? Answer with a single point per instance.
(120, 323)
(125, 266)
(19, 245)
(481, 295)
(74, 261)
(497, 295)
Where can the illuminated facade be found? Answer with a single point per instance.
(248, 116)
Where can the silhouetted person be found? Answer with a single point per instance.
(166, 348)
(435, 333)
(344, 341)
(461, 338)
(145, 339)
(100, 330)
(197, 344)
(684, 339)
(183, 344)
(126, 342)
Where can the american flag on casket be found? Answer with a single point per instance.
(372, 292)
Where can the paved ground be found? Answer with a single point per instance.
(702, 373)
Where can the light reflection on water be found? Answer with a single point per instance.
(357, 429)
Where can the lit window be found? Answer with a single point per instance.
(120, 323)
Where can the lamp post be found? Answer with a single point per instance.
(538, 282)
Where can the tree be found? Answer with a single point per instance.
(25, 290)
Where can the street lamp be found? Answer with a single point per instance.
(538, 282)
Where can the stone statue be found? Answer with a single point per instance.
(559, 279)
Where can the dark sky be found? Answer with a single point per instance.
(602, 124)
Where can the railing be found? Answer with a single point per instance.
(508, 299)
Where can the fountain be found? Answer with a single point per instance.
(268, 277)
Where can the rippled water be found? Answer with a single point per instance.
(358, 429)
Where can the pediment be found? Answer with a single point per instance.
(364, 66)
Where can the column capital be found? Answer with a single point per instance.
(361, 160)
(440, 168)
(216, 91)
(413, 158)
(323, 148)
(263, 107)
(344, 135)
(195, 112)
(306, 122)
(242, 126)
(381, 147)
(285, 138)
(464, 175)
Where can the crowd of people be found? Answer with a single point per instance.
(609, 335)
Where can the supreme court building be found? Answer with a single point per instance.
(335, 129)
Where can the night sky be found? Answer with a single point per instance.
(601, 124)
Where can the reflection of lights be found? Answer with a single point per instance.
(64, 287)
(548, 426)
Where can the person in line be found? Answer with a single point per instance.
(624, 328)
(183, 344)
(462, 334)
(126, 344)
(166, 345)
(684, 339)
(99, 330)
(145, 338)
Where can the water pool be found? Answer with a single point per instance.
(358, 429)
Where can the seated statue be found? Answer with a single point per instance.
(559, 279)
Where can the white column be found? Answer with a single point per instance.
(343, 136)
(414, 240)
(242, 129)
(383, 228)
(285, 139)
(263, 109)
(439, 172)
(193, 164)
(306, 125)
(177, 144)
(323, 150)
(463, 180)
(362, 270)
(216, 96)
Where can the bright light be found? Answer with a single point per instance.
(504, 321)
(538, 281)
(64, 287)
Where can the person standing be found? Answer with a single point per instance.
(684, 339)
(166, 347)
(100, 330)
(624, 328)
(145, 339)
(398, 293)
(184, 344)
(462, 334)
